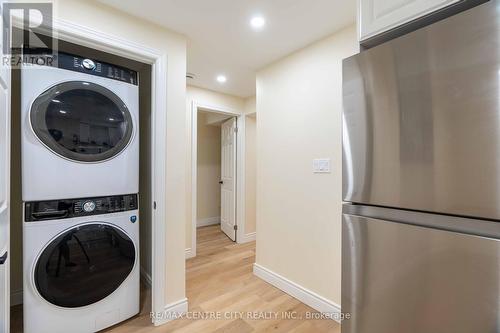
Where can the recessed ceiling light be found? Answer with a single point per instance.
(221, 78)
(257, 22)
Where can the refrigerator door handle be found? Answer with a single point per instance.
(4, 257)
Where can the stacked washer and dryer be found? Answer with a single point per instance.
(80, 184)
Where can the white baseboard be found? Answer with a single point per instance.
(146, 277)
(190, 253)
(16, 297)
(304, 295)
(247, 238)
(171, 312)
(208, 221)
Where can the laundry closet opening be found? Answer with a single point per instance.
(145, 182)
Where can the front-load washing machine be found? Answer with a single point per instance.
(80, 125)
(81, 263)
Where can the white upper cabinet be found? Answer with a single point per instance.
(378, 16)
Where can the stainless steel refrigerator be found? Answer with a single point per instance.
(421, 180)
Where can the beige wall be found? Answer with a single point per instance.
(299, 103)
(250, 173)
(209, 97)
(250, 165)
(208, 169)
(102, 18)
(250, 105)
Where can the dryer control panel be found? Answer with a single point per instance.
(94, 67)
(68, 208)
(88, 66)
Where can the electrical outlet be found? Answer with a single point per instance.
(321, 165)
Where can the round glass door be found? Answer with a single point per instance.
(84, 265)
(82, 121)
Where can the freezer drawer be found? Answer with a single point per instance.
(405, 278)
(421, 118)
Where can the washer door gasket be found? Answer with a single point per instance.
(82, 121)
(84, 265)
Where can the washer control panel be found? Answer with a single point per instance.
(88, 66)
(67, 208)
(89, 206)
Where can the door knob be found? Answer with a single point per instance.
(221, 182)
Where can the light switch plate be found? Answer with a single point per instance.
(321, 165)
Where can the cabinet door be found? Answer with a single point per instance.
(377, 16)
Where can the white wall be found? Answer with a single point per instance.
(208, 170)
(299, 105)
(97, 16)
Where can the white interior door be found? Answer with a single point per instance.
(228, 178)
(4, 195)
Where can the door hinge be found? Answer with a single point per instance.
(235, 227)
(154, 204)
(236, 130)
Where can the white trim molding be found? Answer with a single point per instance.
(295, 290)
(189, 253)
(240, 167)
(208, 221)
(171, 312)
(240, 179)
(250, 237)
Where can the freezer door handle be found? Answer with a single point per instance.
(3, 258)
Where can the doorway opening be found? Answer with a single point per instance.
(217, 172)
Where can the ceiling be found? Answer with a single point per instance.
(221, 41)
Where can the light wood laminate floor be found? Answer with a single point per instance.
(220, 281)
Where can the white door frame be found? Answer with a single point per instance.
(98, 40)
(5, 206)
(240, 169)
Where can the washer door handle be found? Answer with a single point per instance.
(3, 258)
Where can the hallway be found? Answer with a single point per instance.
(220, 280)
